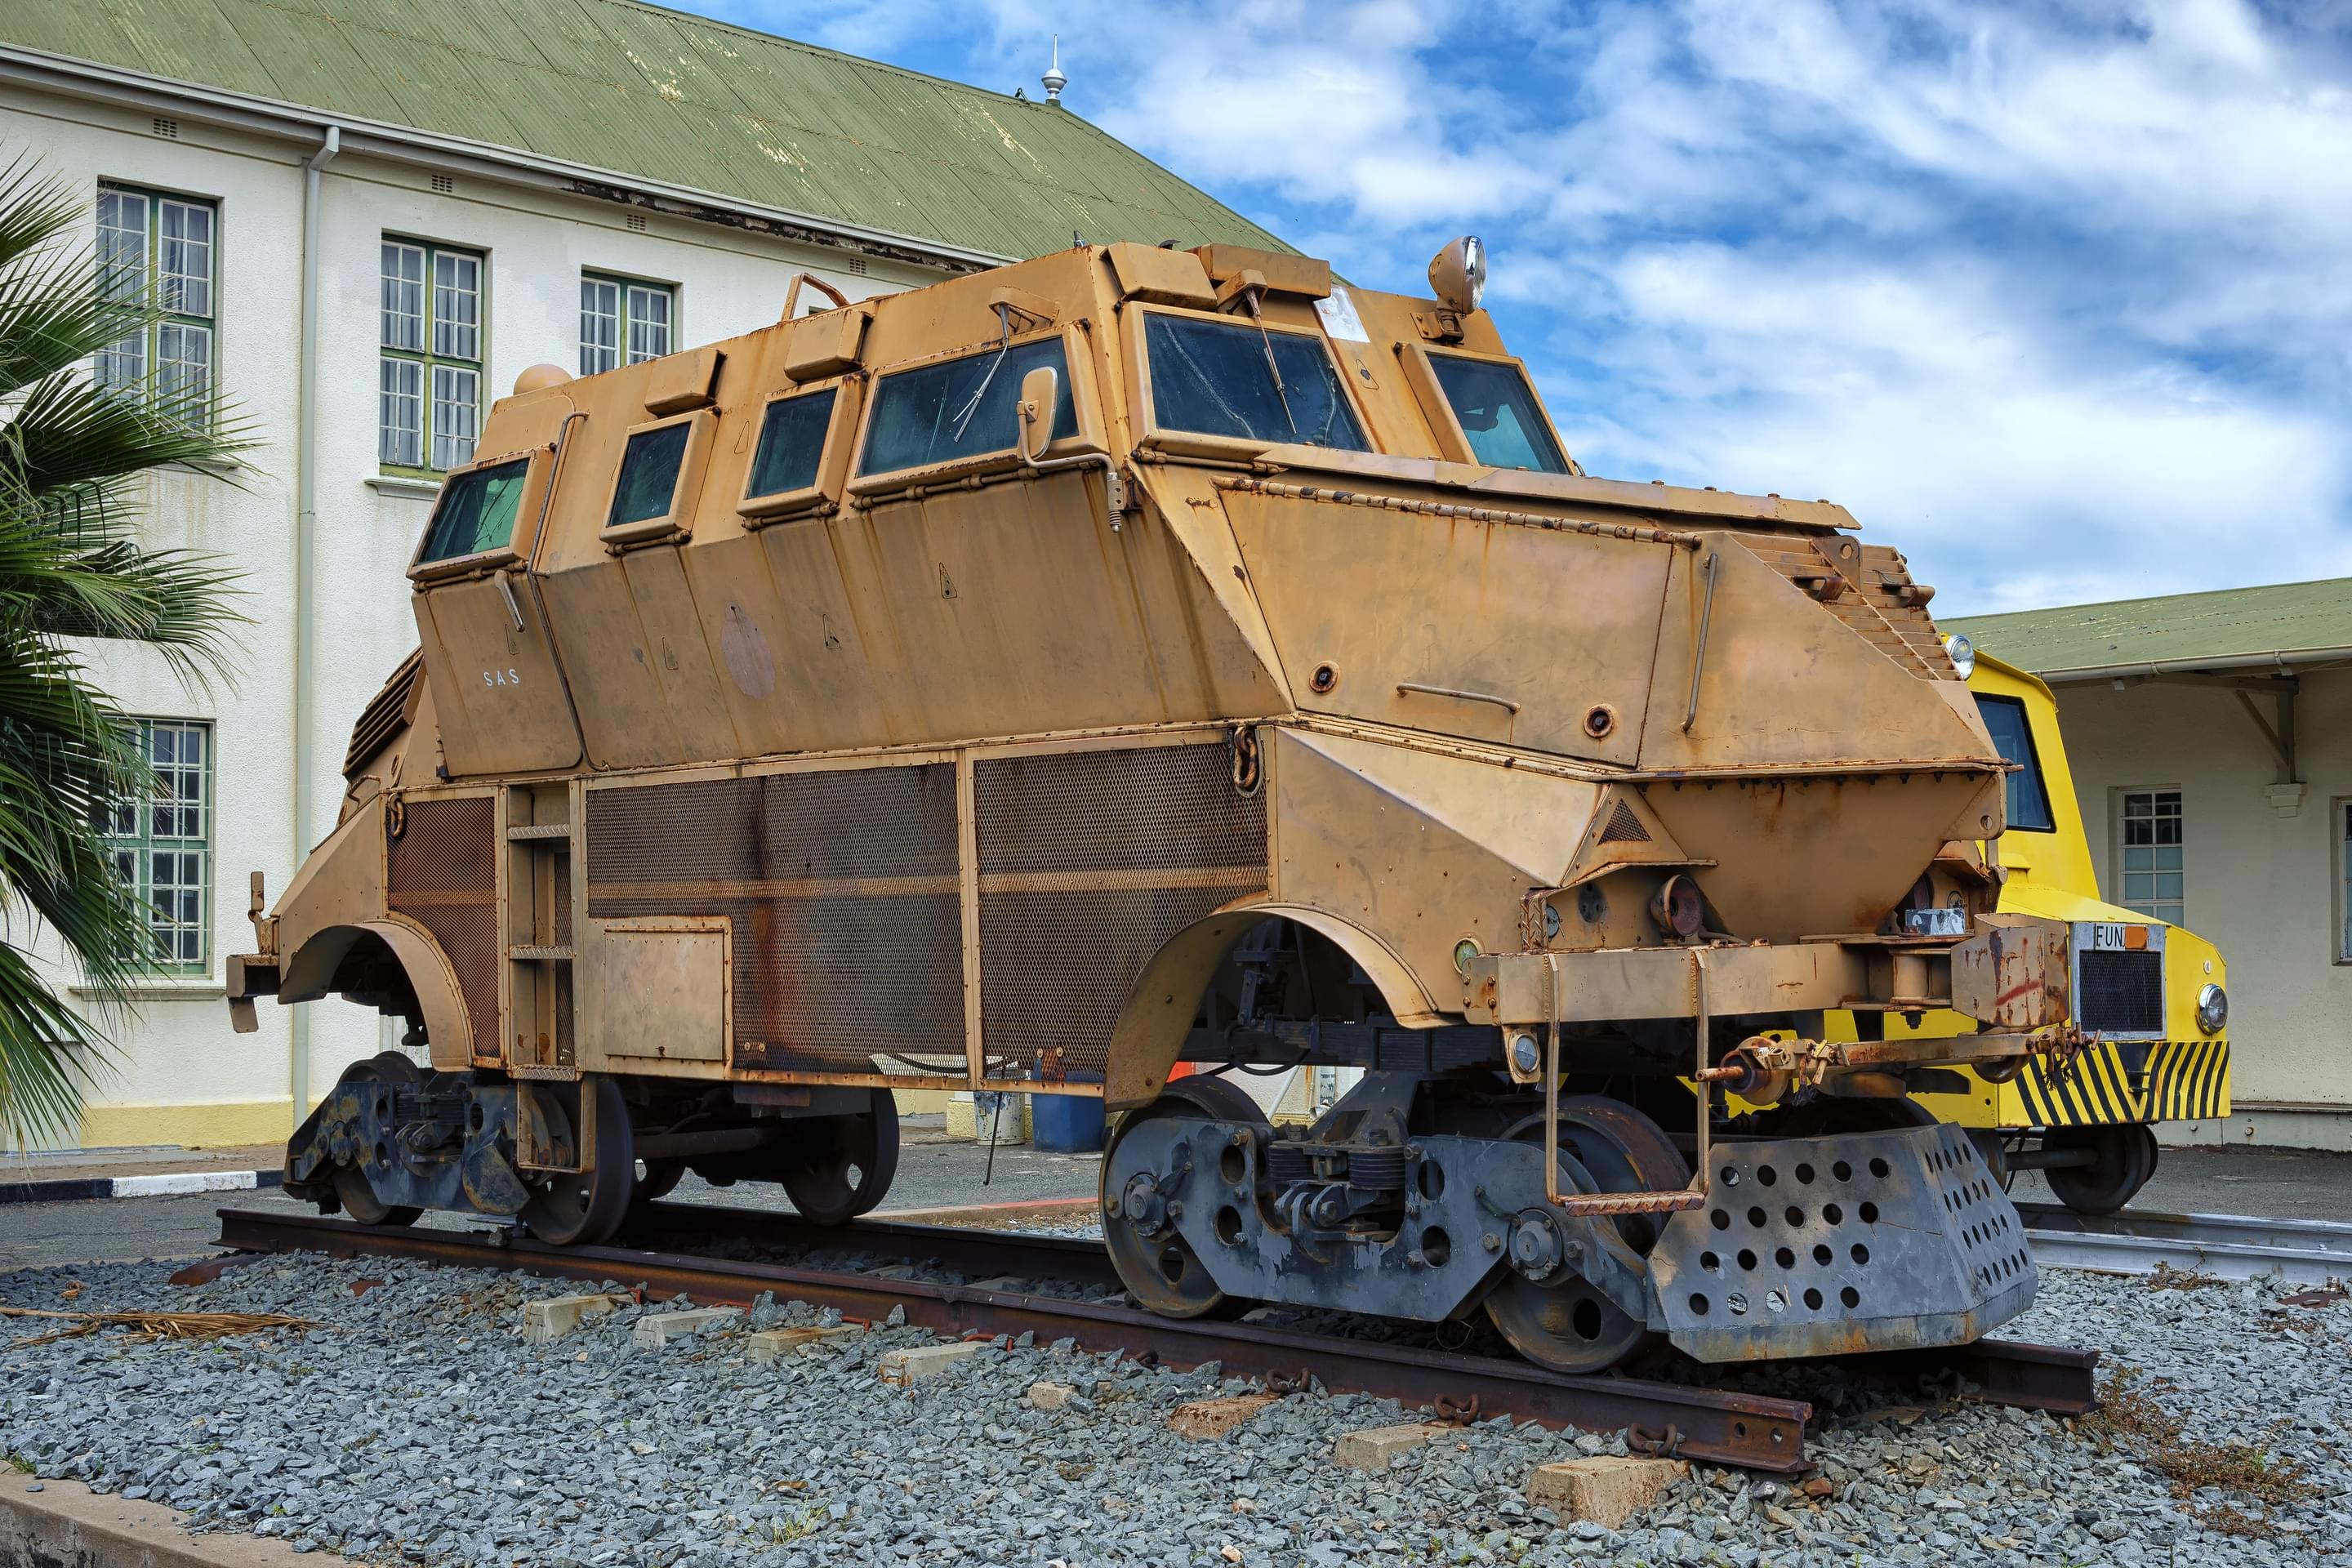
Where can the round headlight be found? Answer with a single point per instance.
(1963, 652)
(2212, 1009)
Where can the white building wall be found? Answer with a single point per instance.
(179, 1074)
(2260, 884)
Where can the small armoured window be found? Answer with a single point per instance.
(792, 441)
(1219, 378)
(649, 469)
(2012, 737)
(958, 407)
(476, 512)
(1499, 413)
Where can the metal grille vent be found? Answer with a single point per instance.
(168, 129)
(441, 872)
(842, 891)
(636, 223)
(1624, 827)
(387, 711)
(444, 185)
(856, 264)
(1088, 862)
(2119, 992)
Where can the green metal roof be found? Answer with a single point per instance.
(2178, 632)
(639, 90)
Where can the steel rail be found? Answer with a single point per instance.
(1724, 1426)
(2227, 1246)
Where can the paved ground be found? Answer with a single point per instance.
(932, 1173)
(936, 1174)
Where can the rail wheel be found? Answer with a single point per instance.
(842, 1165)
(655, 1178)
(394, 1071)
(585, 1209)
(2123, 1159)
(1562, 1322)
(1158, 1267)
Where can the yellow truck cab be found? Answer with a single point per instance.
(2152, 994)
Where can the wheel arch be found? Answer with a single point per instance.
(312, 968)
(1160, 1009)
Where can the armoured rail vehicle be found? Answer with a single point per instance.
(1137, 656)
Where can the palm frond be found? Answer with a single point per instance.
(74, 461)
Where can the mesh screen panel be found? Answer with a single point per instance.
(848, 942)
(2120, 993)
(1088, 862)
(441, 872)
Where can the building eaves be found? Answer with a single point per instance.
(2280, 626)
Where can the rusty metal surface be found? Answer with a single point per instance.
(1089, 861)
(842, 890)
(1752, 1431)
(440, 870)
(2013, 973)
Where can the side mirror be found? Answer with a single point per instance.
(1034, 419)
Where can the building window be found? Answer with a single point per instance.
(162, 844)
(161, 250)
(2344, 881)
(430, 375)
(2151, 854)
(622, 322)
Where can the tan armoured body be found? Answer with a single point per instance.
(1139, 654)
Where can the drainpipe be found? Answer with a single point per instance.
(306, 524)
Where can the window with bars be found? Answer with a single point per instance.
(2151, 881)
(163, 251)
(429, 367)
(622, 322)
(162, 844)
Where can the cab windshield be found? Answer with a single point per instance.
(2012, 737)
(1498, 414)
(1229, 378)
(959, 408)
(476, 512)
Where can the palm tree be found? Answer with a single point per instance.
(73, 461)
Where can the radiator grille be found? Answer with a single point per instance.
(392, 708)
(440, 871)
(1088, 862)
(842, 890)
(2120, 993)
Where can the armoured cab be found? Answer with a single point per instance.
(1138, 654)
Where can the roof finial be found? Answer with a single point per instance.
(1053, 78)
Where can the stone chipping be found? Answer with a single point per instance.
(417, 1425)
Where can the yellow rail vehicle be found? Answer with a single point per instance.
(2154, 994)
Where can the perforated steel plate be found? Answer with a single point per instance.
(1824, 1245)
(441, 872)
(1088, 862)
(842, 889)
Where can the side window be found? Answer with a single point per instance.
(2012, 736)
(649, 470)
(1229, 378)
(165, 249)
(429, 366)
(162, 844)
(476, 511)
(2153, 839)
(1498, 412)
(792, 444)
(958, 407)
(623, 323)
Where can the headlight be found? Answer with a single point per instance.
(1963, 652)
(2212, 1009)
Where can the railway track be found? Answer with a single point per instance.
(2227, 1246)
(1720, 1426)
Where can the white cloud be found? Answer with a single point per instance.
(2056, 297)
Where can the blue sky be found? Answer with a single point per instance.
(2057, 299)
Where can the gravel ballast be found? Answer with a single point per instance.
(415, 1424)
